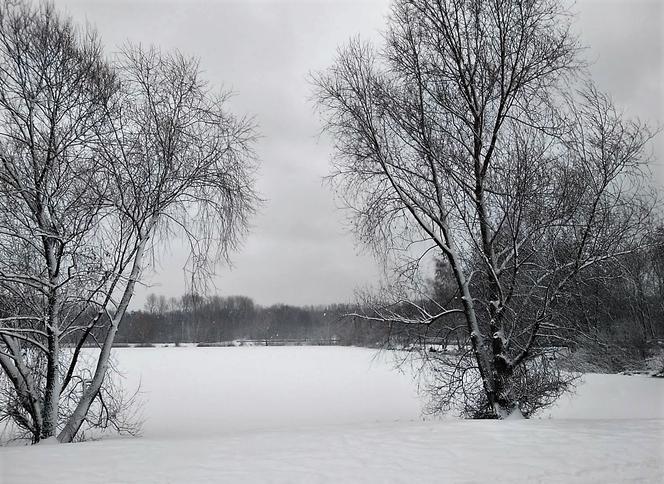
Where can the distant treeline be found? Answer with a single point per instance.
(600, 313)
(615, 314)
(199, 319)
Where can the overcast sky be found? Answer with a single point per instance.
(299, 251)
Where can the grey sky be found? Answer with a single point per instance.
(299, 251)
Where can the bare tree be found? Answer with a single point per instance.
(472, 135)
(98, 161)
(53, 87)
(151, 303)
(178, 161)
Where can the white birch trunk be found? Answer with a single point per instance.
(78, 416)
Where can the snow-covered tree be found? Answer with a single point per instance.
(99, 161)
(472, 135)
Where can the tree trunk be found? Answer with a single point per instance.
(53, 380)
(75, 421)
(52, 391)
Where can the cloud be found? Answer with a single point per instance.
(299, 251)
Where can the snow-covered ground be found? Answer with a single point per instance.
(317, 414)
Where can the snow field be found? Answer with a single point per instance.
(317, 414)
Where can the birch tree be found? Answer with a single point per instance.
(99, 161)
(472, 134)
(178, 162)
(53, 86)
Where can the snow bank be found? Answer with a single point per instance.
(454, 452)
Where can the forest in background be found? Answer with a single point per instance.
(217, 319)
(616, 323)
